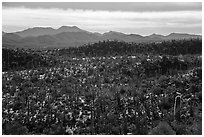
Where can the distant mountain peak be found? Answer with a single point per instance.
(113, 32)
(39, 28)
(75, 27)
(174, 33)
(181, 35)
(154, 35)
(68, 27)
(40, 31)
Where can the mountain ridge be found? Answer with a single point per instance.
(66, 36)
(77, 29)
(39, 31)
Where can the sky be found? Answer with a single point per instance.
(127, 17)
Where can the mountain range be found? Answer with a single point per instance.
(65, 36)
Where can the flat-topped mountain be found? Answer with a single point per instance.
(39, 31)
(180, 36)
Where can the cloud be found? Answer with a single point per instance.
(112, 6)
(101, 21)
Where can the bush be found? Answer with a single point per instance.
(163, 128)
(15, 129)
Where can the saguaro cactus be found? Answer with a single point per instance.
(177, 107)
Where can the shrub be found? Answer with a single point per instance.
(163, 128)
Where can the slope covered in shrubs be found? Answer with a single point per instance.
(123, 94)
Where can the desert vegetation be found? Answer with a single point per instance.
(104, 88)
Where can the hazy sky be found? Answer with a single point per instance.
(140, 18)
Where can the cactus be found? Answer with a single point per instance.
(177, 107)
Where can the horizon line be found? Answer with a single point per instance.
(103, 32)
